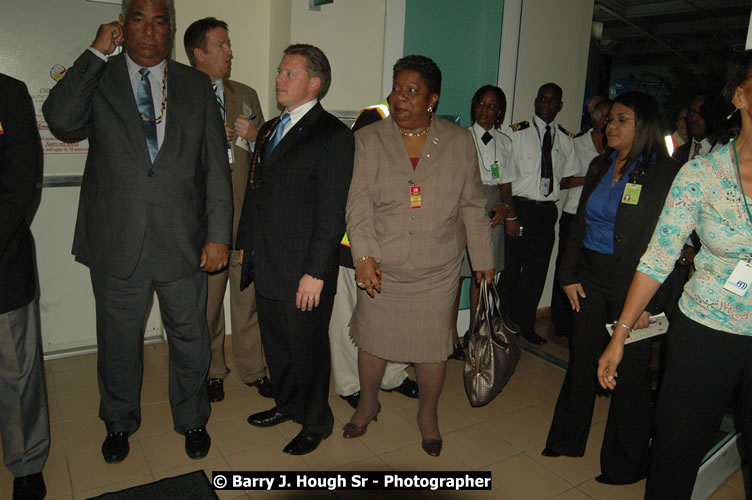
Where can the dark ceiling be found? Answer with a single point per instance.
(670, 32)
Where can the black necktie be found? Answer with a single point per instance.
(547, 168)
(698, 146)
(486, 138)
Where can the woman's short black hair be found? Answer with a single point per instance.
(648, 139)
(427, 69)
(500, 97)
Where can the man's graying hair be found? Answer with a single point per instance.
(170, 9)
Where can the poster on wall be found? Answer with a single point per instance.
(39, 41)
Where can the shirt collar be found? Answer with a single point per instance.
(542, 125)
(298, 113)
(133, 68)
(479, 131)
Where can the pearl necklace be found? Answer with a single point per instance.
(417, 134)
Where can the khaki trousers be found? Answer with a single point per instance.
(246, 338)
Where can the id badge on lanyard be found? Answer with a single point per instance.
(631, 194)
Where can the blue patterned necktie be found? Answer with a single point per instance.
(146, 108)
(277, 135)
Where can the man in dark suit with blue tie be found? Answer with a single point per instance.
(155, 211)
(293, 220)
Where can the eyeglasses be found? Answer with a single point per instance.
(618, 120)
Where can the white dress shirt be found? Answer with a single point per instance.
(498, 149)
(155, 82)
(584, 151)
(527, 145)
(296, 114)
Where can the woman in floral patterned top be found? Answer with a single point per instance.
(709, 357)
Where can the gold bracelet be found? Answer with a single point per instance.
(365, 257)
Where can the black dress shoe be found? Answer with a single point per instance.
(268, 418)
(305, 442)
(29, 487)
(216, 389)
(263, 385)
(466, 339)
(115, 447)
(511, 325)
(352, 399)
(548, 452)
(197, 442)
(604, 479)
(534, 338)
(458, 353)
(407, 388)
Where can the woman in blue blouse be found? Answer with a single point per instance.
(709, 356)
(624, 191)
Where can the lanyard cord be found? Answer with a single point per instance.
(741, 187)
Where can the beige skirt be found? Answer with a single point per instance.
(411, 320)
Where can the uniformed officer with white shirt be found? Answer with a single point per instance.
(542, 155)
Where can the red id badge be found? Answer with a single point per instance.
(416, 200)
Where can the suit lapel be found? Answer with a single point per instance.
(428, 165)
(300, 130)
(398, 149)
(118, 91)
(232, 106)
(172, 118)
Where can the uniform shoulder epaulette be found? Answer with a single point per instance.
(570, 134)
(519, 126)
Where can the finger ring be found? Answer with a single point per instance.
(361, 284)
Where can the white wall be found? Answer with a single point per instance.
(250, 28)
(351, 34)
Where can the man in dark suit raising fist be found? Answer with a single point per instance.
(155, 212)
(293, 220)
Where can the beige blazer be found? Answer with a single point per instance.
(237, 94)
(410, 241)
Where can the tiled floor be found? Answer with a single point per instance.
(505, 437)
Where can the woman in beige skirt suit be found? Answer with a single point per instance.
(415, 201)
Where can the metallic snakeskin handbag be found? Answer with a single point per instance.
(493, 349)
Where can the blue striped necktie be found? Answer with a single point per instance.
(220, 102)
(146, 108)
(277, 134)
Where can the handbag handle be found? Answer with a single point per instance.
(484, 305)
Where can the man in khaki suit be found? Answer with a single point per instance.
(207, 45)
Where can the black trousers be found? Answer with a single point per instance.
(624, 454)
(561, 311)
(706, 370)
(296, 344)
(526, 261)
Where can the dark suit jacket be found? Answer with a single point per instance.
(188, 200)
(20, 169)
(294, 218)
(633, 229)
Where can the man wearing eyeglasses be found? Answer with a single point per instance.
(155, 212)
